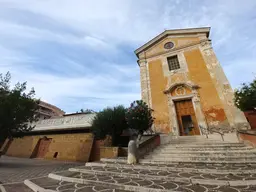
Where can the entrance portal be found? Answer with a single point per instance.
(43, 147)
(186, 118)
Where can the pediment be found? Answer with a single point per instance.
(179, 38)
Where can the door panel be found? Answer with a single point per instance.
(43, 147)
(186, 118)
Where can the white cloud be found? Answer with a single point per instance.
(104, 27)
(56, 89)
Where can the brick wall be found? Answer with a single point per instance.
(73, 147)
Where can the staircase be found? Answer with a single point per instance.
(191, 163)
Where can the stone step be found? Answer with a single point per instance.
(200, 156)
(196, 160)
(177, 152)
(200, 143)
(205, 148)
(202, 153)
(205, 145)
(189, 137)
(182, 158)
(167, 162)
(196, 141)
(185, 167)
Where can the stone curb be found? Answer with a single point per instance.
(105, 184)
(34, 187)
(148, 167)
(154, 162)
(161, 161)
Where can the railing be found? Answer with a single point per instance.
(207, 131)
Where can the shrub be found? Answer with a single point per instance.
(245, 97)
(139, 116)
(109, 121)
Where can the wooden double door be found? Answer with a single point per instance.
(186, 118)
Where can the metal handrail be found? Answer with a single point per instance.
(206, 131)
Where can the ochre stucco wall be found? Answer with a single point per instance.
(159, 99)
(210, 101)
(23, 147)
(200, 71)
(197, 72)
(73, 147)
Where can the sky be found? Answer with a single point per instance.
(80, 53)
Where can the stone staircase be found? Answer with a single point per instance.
(183, 164)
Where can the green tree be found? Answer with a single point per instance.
(245, 97)
(139, 116)
(109, 121)
(17, 108)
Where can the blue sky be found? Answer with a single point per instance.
(79, 54)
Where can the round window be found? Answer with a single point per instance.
(169, 45)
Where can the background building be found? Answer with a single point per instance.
(183, 82)
(47, 111)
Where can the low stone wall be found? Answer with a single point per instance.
(251, 118)
(148, 145)
(123, 152)
(108, 152)
(248, 137)
(103, 149)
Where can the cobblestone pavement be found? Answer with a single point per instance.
(165, 174)
(70, 187)
(151, 184)
(18, 169)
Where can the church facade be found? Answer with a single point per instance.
(184, 83)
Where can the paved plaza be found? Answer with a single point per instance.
(217, 166)
(16, 170)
